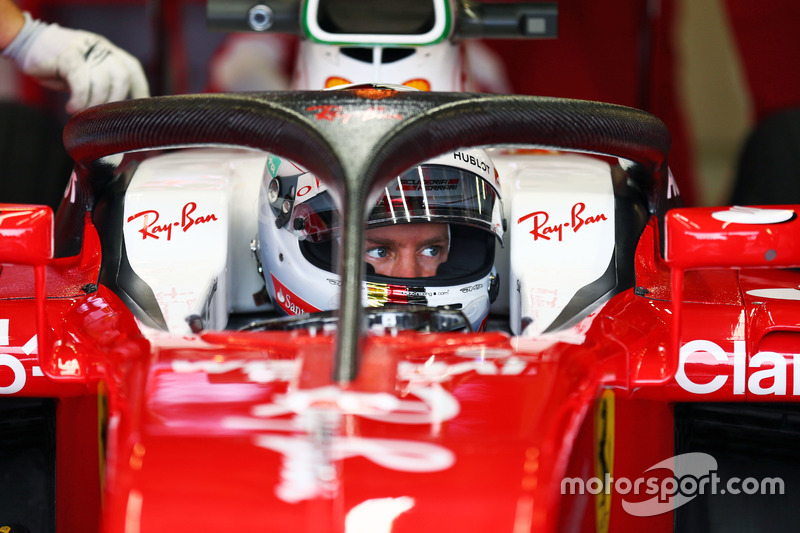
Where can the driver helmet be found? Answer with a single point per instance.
(455, 196)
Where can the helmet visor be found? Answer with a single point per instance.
(437, 193)
(427, 193)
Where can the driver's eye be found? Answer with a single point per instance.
(431, 251)
(377, 253)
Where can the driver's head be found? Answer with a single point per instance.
(408, 250)
(429, 239)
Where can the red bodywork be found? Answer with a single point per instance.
(448, 432)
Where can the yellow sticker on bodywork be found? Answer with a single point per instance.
(604, 457)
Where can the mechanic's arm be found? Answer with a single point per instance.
(88, 65)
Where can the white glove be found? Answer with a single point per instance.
(88, 65)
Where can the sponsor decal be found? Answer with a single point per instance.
(305, 189)
(310, 457)
(472, 160)
(13, 364)
(289, 301)
(151, 229)
(273, 164)
(752, 215)
(604, 456)
(578, 219)
(471, 288)
(17, 369)
(328, 112)
(332, 113)
(307, 426)
(771, 378)
(380, 294)
(485, 362)
(777, 293)
(252, 371)
(376, 514)
(428, 185)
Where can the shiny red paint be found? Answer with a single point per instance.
(703, 238)
(26, 234)
(26, 237)
(467, 432)
(193, 416)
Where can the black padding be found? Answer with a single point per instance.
(35, 165)
(116, 272)
(471, 255)
(769, 165)
(27, 464)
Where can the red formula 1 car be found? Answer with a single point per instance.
(654, 396)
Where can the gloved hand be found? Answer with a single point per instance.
(88, 65)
